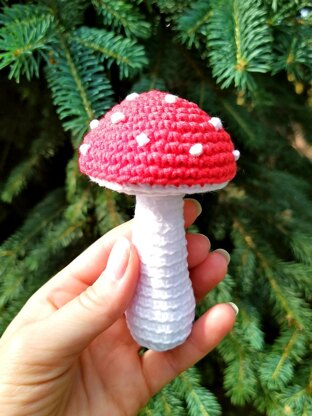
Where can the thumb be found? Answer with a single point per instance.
(78, 322)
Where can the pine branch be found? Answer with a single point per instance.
(172, 7)
(126, 53)
(301, 244)
(297, 398)
(25, 39)
(81, 91)
(297, 276)
(193, 23)
(294, 52)
(240, 350)
(239, 42)
(277, 368)
(199, 400)
(147, 83)
(41, 148)
(69, 13)
(169, 404)
(287, 306)
(16, 248)
(107, 212)
(123, 16)
(165, 403)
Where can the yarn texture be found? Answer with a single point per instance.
(156, 138)
(159, 147)
(162, 310)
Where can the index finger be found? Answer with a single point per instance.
(90, 263)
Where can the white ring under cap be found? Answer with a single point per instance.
(159, 190)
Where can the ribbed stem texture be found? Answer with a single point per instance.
(162, 311)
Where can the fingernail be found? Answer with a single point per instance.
(197, 205)
(118, 259)
(223, 253)
(234, 307)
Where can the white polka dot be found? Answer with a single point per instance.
(236, 154)
(132, 96)
(170, 99)
(117, 117)
(196, 149)
(84, 148)
(142, 139)
(93, 124)
(216, 122)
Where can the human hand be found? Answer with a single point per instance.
(69, 351)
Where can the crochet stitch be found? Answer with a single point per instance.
(157, 138)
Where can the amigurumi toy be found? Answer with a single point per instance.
(159, 147)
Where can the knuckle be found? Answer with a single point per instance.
(95, 302)
(90, 299)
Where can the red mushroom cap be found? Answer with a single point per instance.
(158, 139)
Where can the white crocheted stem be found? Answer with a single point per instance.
(162, 311)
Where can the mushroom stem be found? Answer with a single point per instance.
(162, 311)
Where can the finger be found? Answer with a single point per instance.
(209, 273)
(162, 367)
(79, 321)
(90, 264)
(198, 246)
(192, 209)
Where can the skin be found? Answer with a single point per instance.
(69, 352)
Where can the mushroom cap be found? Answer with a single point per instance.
(158, 141)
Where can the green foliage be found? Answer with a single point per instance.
(248, 62)
(239, 30)
(199, 401)
(123, 16)
(193, 22)
(111, 48)
(80, 88)
(25, 37)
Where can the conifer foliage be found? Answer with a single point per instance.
(64, 63)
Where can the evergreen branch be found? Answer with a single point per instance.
(240, 350)
(15, 250)
(126, 53)
(199, 400)
(147, 410)
(239, 42)
(193, 22)
(80, 89)
(68, 13)
(22, 14)
(297, 398)
(44, 147)
(42, 214)
(301, 244)
(282, 295)
(243, 125)
(297, 276)
(240, 378)
(294, 52)
(168, 403)
(107, 213)
(77, 79)
(286, 353)
(172, 7)
(277, 368)
(122, 15)
(25, 39)
(77, 210)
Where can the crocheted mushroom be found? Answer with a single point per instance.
(159, 147)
